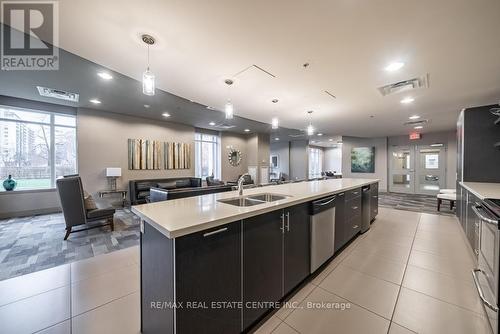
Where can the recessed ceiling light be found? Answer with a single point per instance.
(211, 123)
(397, 65)
(95, 101)
(147, 106)
(276, 138)
(320, 134)
(331, 139)
(105, 75)
(407, 100)
(165, 114)
(418, 127)
(247, 130)
(414, 117)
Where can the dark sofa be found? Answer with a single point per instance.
(139, 189)
(159, 194)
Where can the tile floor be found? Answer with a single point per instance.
(409, 274)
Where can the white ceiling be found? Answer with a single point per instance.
(347, 43)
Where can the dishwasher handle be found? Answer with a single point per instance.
(325, 201)
(322, 204)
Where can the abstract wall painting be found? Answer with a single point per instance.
(155, 154)
(145, 154)
(363, 160)
(177, 156)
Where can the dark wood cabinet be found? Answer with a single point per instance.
(262, 263)
(353, 216)
(374, 201)
(296, 245)
(340, 222)
(208, 269)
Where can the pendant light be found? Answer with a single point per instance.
(275, 123)
(229, 108)
(148, 78)
(310, 127)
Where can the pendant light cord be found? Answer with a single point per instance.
(148, 57)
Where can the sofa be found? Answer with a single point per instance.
(247, 179)
(139, 189)
(159, 194)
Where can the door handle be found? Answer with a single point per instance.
(282, 228)
(354, 207)
(215, 232)
(288, 221)
(480, 290)
(375, 196)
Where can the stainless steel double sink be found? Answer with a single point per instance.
(250, 200)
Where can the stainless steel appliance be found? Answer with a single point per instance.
(486, 276)
(322, 214)
(365, 208)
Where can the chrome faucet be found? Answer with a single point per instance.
(240, 183)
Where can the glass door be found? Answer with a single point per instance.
(430, 169)
(401, 169)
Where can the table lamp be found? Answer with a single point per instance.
(112, 173)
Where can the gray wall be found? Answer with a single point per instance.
(102, 142)
(282, 150)
(239, 142)
(380, 145)
(448, 138)
(27, 203)
(299, 159)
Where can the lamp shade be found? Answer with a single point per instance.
(113, 172)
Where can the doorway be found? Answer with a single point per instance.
(417, 169)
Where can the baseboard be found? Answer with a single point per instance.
(18, 214)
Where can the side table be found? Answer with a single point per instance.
(123, 193)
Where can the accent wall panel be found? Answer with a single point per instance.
(145, 154)
(178, 156)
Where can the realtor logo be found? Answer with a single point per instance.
(29, 32)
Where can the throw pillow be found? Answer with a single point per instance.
(167, 185)
(88, 201)
(183, 183)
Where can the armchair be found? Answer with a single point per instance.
(70, 192)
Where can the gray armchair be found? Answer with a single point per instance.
(70, 191)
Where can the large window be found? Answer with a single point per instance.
(315, 162)
(36, 147)
(207, 155)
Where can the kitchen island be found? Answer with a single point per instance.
(209, 265)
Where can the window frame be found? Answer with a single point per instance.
(52, 147)
(198, 138)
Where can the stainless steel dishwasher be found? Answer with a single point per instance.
(322, 212)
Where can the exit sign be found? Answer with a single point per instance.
(415, 136)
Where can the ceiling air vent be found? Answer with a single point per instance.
(405, 85)
(297, 135)
(414, 123)
(224, 126)
(58, 94)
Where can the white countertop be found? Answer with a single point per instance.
(183, 216)
(482, 189)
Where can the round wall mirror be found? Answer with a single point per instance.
(234, 157)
